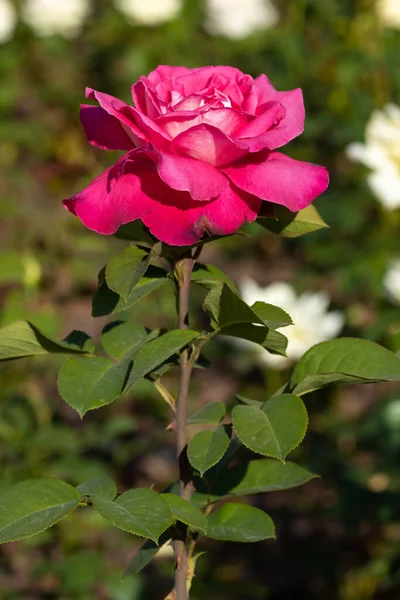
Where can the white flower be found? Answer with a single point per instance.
(149, 12)
(311, 321)
(237, 19)
(51, 17)
(381, 153)
(391, 281)
(8, 20)
(388, 12)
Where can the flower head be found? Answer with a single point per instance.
(153, 12)
(51, 17)
(200, 154)
(312, 323)
(8, 19)
(237, 19)
(391, 281)
(388, 12)
(381, 153)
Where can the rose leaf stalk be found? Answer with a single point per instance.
(183, 272)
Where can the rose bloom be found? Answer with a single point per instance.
(200, 154)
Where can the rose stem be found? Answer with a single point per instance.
(183, 272)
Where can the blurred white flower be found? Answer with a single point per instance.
(381, 153)
(312, 323)
(392, 414)
(391, 281)
(51, 17)
(388, 12)
(237, 19)
(8, 20)
(149, 12)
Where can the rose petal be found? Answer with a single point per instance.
(256, 135)
(277, 178)
(292, 124)
(227, 80)
(208, 144)
(116, 197)
(136, 124)
(197, 79)
(120, 110)
(150, 129)
(145, 99)
(174, 224)
(103, 130)
(225, 119)
(192, 102)
(185, 222)
(227, 213)
(174, 123)
(166, 72)
(200, 179)
(274, 113)
(261, 94)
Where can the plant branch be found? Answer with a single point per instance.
(183, 272)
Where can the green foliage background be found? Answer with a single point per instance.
(338, 537)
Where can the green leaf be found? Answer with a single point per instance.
(121, 337)
(292, 225)
(226, 307)
(163, 368)
(257, 476)
(186, 513)
(207, 448)
(31, 506)
(248, 401)
(125, 269)
(272, 316)
(139, 511)
(240, 523)
(210, 275)
(276, 429)
(157, 351)
(146, 553)
(146, 285)
(90, 382)
(344, 360)
(271, 340)
(135, 232)
(212, 414)
(214, 238)
(103, 487)
(105, 301)
(80, 340)
(21, 339)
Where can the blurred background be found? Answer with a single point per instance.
(339, 536)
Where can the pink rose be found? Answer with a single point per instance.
(200, 154)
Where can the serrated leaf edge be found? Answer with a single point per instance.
(150, 537)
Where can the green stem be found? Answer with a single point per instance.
(183, 272)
